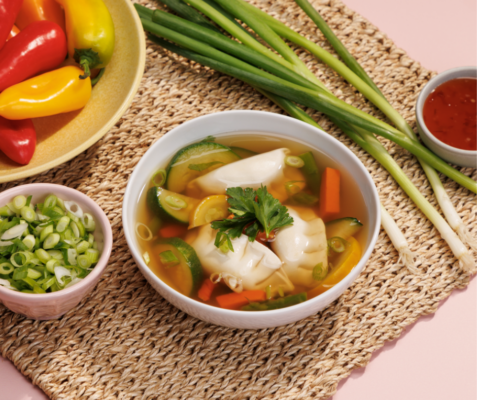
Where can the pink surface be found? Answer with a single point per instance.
(436, 358)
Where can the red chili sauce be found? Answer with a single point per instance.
(450, 113)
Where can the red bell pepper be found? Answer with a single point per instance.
(9, 10)
(39, 47)
(17, 139)
(14, 32)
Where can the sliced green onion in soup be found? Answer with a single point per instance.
(143, 232)
(159, 178)
(294, 161)
(319, 272)
(337, 244)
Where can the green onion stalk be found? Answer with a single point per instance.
(250, 74)
(318, 100)
(355, 75)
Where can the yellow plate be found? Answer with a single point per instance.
(62, 137)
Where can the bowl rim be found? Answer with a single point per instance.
(107, 126)
(331, 293)
(100, 217)
(439, 79)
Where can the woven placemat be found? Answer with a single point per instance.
(124, 341)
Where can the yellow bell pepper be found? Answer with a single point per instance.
(51, 93)
(40, 10)
(90, 32)
(340, 271)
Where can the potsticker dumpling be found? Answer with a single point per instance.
(301, 246)
(252, 172)
(251, 266)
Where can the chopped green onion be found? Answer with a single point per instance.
(43, 256)
(50, 201)
(89, 222)
(60, 203)
(33, 274)
(319, 272)
(83, 261)
(21, 258)
(56, 254)
(46, 232)
(82, 247)
(29, 241)
(81, 228)
(62, 224)
(75, 229)
(19, 202)
(90, 239)
(159, 178)
(93, 255)
(51, 264)
(6, 212)
(6, 268)
(48, 283)
(51, 241)
(281, 293)
(168, 259)
(294, 161)
(28, 214)
(176, 202)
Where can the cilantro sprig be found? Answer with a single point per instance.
(253, 211)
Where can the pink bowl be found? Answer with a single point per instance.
(54, 305)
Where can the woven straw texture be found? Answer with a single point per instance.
(125, 342)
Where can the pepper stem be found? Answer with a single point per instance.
(87, 59)
(84, 63)
(95, 80)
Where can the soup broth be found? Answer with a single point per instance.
(245, 145)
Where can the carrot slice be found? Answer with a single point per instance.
(173, 231)
(206, 290)
(330, 194)
(234, 301)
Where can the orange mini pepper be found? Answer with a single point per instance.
(40, 10)
(51, 93)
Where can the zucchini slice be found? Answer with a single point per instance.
(185, 276)
(164, 203)
(343, 228)
(196, 160)
(243, 153)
